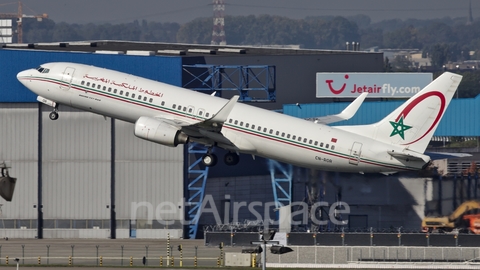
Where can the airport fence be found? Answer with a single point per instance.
(350, 239)
(110, 255)
(346, 255)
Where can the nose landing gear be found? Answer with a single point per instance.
(54, 114)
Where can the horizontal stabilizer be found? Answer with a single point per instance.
(346, 114)
(409, 156)
(444, 155)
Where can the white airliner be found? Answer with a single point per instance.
(171, 115)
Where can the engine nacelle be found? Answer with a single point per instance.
(156, 130)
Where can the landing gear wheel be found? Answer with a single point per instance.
(53, 115)
(231, 159)
(209, 160)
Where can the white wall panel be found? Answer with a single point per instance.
(18, 146)
(25, 195)
(76, 135)
(18, 132)
(76, 190)
(146, 173)
(76, 165)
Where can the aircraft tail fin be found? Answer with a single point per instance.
(413, 123)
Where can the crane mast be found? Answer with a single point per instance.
(19, 16)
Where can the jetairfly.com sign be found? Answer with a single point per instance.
(378, 85)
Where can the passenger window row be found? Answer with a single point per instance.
(280, 134)
(115, 91)
(189, 109)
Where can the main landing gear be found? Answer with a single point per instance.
(209, 160)
(230, 159)
(54, 114)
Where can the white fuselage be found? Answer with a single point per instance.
(252, 130)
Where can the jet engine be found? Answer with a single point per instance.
(156, 130)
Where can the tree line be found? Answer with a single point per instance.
(454, 36)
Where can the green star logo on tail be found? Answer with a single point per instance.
(399, 128)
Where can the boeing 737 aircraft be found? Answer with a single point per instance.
(171, 115)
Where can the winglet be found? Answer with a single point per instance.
(346, 114)
(222, 115)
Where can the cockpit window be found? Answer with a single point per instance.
(42, 69)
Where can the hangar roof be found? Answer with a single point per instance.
(158, 48)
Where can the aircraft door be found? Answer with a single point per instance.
(355, 153)
(67, 77)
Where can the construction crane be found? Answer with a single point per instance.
(19, 17)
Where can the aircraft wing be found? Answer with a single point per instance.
(217, 120)
(213, 123)
(208, 131)
(444, 155)
(346, 114)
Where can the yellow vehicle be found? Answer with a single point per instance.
(462, 218)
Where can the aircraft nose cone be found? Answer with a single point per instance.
(22, 75)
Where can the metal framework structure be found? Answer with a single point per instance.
(281, 176)
(203, 77)
(219, 78)
(196, 187)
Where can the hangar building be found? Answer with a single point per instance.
(86, 176)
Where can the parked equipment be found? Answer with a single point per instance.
(464, 217)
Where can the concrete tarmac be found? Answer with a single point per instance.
(108, 252)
